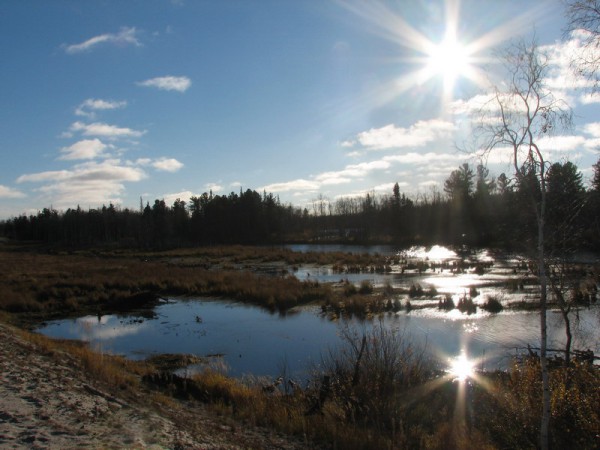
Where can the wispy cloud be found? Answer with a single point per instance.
(7, 192)
(424, 158)
(125, 36)
(214, 187)
(104, 130)
(294, 185)
(90, 106)
(84, 149)
(561, 56)
(90, 183)
(417, 135)
(167, 164)
(168, 83)
(111, 169)
(351, 172)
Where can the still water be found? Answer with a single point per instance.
(249, 340)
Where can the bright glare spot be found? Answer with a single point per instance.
(449, 59)
(438, 252)
(461, 367)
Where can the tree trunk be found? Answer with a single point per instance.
(569, 338)
(545, 424)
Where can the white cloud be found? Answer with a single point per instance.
(89, 107)
(6, 192)
(84, 149)
(417, 135)
(424, 158)
(295, 185)
(350, 172)
(562, 55)
(592, 128)
(214, 187)
(89, 183)
(167, 164)
(589, 98)
(168, 83)
(126, 36)
(561, 143)
(474, 104)
(183, 195)
(104, 130)
(53, 175)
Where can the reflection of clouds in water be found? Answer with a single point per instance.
(94, 320)
(90, 328)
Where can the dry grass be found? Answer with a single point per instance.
(115, 371)
(39, 286)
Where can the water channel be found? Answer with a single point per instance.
(250, 340)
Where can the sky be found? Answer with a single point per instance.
(112, 101)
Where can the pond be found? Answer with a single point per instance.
(249, 340)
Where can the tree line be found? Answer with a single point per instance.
(474, 209)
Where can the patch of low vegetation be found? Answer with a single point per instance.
(493, 305)
(446, 303)
(38, 286)
(466, 305)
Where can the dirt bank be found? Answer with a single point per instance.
(47, 400)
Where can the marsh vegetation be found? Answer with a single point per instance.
(377, 387)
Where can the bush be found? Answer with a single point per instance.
(493, 305)
(446, 303)
(368, 377)
(415, 290)
(465, 304)
(366, 287)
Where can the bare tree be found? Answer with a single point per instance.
(584, 23)
(520, 112)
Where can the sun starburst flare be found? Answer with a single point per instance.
(448, 58)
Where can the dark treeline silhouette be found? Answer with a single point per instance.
(475, 209)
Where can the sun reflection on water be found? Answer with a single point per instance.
(461, 367)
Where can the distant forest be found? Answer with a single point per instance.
(474, 209)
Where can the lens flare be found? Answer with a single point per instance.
(452, 57)
(461, 367)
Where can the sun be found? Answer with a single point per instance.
(449, 59)
(425, 58)
(461, 367)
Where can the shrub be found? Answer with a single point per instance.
(366, 287)
(465, 304)
(446, 303)
(415, 290)
(368, 377)
(493, 305)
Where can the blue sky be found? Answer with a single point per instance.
(110, 101)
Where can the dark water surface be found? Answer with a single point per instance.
(253, 341)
